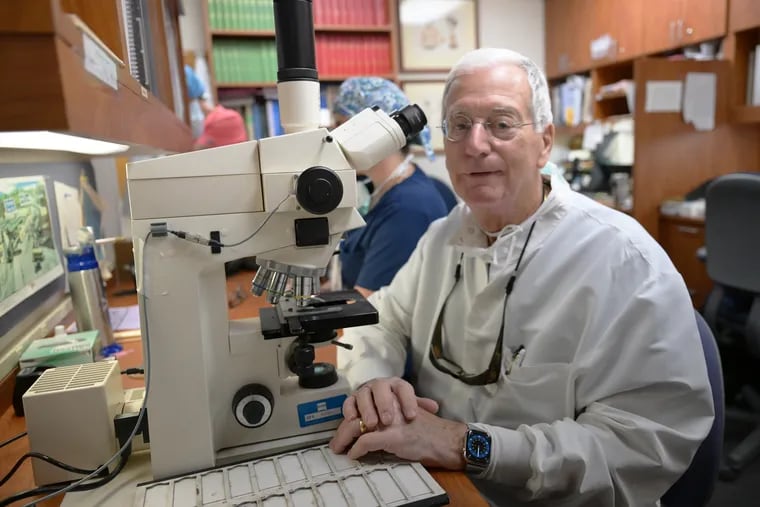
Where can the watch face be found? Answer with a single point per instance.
(478, 447)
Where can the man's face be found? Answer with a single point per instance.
(485, 171)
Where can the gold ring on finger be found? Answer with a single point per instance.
(362, 427)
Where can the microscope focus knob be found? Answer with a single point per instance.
(252, 405)
(319, 190)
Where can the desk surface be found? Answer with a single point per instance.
(458, 486)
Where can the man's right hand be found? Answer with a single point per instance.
(373, 402)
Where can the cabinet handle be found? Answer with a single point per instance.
(680, 29)
(689, 30)
(672, 31)
(687, 229)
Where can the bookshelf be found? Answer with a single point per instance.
(351, 38)
(43, 49)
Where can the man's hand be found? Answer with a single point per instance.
(377, 401)
(427, 438)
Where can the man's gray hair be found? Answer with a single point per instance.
(541, 106)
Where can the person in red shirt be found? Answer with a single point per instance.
(221, 126)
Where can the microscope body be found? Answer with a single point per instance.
(219, 389)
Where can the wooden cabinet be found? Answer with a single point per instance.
(681, 237)
(572, 25)
(627, 28)
(671, 157)
(743, 14)
(702, 20)
(51, 84)
(562, 41)
(675, 23)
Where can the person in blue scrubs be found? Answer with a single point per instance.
(397, 199)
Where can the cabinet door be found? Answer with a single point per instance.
(660, 26)
(559, 36)
(743, 14)
(701, 20)
(681, 239)
(628, 31)
(601, 21)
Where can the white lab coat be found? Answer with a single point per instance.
(611, 399)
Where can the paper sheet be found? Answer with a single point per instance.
(124, 317)
(699, 99)
(69, 212)
(663, 96)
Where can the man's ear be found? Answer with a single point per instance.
(547, 142)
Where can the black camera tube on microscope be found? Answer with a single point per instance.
(294, 26)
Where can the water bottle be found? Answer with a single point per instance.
(86, 285)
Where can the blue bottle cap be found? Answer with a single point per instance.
(81, 261)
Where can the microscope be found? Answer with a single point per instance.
(225, 390)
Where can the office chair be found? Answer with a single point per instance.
(695, 487)
(732, 309)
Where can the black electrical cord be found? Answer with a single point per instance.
(45, 458)
(13, 439)
(124, 452)
(197, 238)
(52, 488)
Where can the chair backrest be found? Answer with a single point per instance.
(732, 230)
(695, 487)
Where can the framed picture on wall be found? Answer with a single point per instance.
(434, 34)
(427, 95)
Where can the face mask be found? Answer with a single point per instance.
(363, 198)
(363, 195)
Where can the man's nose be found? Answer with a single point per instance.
(478, 140)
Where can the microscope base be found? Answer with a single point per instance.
(263, 449)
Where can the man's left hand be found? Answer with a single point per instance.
(428, 439)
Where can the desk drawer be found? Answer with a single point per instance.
(681, 238)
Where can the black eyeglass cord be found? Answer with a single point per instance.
(491, 375)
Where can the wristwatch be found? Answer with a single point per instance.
(477, 450)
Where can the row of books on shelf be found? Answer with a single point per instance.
(261, 113)
(241, 14)
(753, 78)
(255, 60)
(341, 54)
(245, 61)
(572, 101)
(351, 12)
(259, 14)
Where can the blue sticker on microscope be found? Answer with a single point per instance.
(321, 411)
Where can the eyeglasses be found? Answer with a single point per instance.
(458, 127)
(445, 365)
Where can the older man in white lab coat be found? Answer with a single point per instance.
(554, 348)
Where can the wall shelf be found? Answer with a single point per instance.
(69, 98)
(746, 114)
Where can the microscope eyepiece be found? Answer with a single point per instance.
(411, 119)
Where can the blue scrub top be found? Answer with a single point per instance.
(370, 256)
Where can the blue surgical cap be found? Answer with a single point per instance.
(195, 87)
(359, 93)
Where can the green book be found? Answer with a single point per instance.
(65, 350)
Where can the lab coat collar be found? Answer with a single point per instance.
(470, 241)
